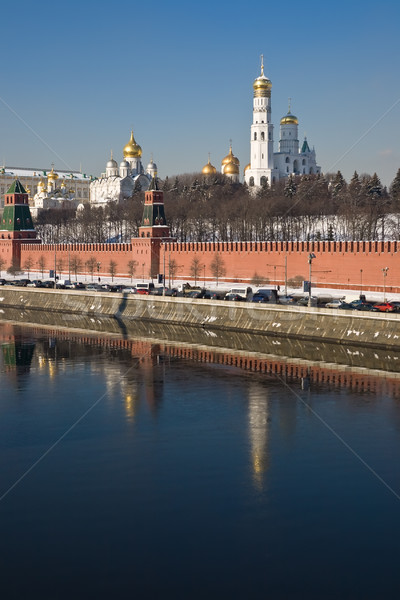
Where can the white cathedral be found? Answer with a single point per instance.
(267, 166)
(119, 181)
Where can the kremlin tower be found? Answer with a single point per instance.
(17, 226)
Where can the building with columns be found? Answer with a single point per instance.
(267, 166)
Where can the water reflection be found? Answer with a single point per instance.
(258, 403)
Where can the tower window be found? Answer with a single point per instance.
(251, 181)
(287, 159)
(262, 136)
(255, 135)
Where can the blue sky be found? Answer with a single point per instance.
(77, 77)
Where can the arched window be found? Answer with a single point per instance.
(287, 169)
(262, 136)
(255, 135)
(263, 180)
(303, 162)
(251, 181)
(287, 159)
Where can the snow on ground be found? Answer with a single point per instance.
(325, 292)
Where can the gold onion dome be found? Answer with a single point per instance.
(247, 167)
(231, 169)
(289, 119)
(209, 169)
(52, 175)
(230, 158)
(132, 149)
(262, 85)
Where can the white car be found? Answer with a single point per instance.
(334, 304)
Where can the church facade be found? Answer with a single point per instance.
(119, 181)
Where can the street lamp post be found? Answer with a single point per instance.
(98, 271)
(311, 257)
(204, 267)
(361, 272)
(385, 272)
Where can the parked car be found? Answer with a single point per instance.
(334, 304)
(77, 285)
(3, 282)
(94, 287)
(260, 298)
(35, 283)
(22, 282)
(384, 307)
(235, 298)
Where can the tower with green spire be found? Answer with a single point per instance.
(153, 233)
(16, 226)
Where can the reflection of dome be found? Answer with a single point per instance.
(52, 175)
(132, 149)
(231, 169)
(208, 169)
(289, 119)
(230, 158)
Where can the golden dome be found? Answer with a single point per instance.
(132, 149)
(289, 119)
(40, 184)
(230, 158)
(209, 169)
(52, 175)
(247, 167)
(262, 85)
(231, 169)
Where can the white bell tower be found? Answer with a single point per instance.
(261, 168)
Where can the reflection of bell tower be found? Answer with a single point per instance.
(258, 431)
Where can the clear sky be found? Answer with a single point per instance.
(78, 76)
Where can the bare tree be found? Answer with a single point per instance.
(172, 270)
(28, 264)
(76, 265)
(217, 267)
(195, 269)
(91, 265)
(41, 263)
(132, 265)
(14, 268)
(59, 265)
(112, 269)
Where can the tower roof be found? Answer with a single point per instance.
(305, 147)
(16, 188)
(153, 184)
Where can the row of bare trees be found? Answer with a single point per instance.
(215, 209)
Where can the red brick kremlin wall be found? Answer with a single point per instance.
(353, 265)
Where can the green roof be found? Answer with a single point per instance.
(16, 188)
(305, 147)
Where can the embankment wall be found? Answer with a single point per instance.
(325, 325)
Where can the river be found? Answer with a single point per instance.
(131, 468)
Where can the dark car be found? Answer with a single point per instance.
(235, 298)
(3, 281)
(35, 283)
(22, 282)
(261, 298)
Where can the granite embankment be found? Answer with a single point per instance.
(346, 327)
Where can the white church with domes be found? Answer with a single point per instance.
(267, 166)
(118, 182)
